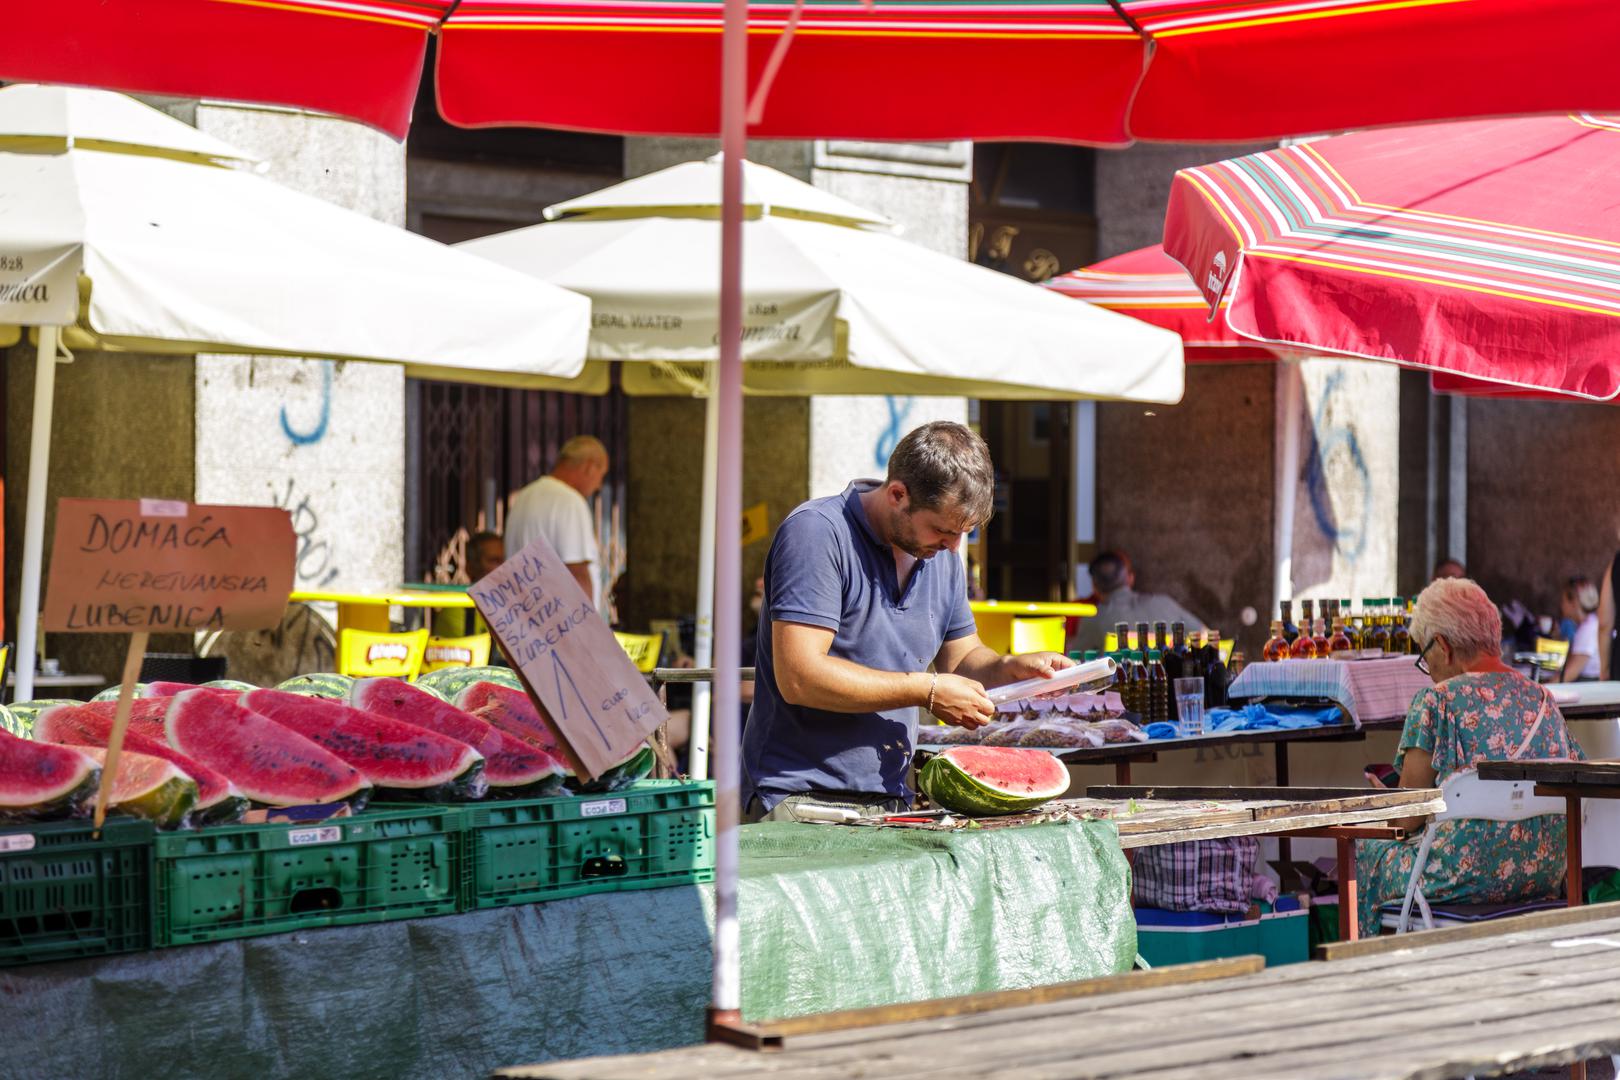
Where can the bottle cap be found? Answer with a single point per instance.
(1074, 654)
(1153, 656)
(1091, 654)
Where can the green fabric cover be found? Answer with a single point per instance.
(833, 918)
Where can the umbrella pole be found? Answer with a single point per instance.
(727, 999)
(703, 646)
(39, 463)
(1289, 396)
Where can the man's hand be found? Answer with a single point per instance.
(962, 702)
(1035, 665)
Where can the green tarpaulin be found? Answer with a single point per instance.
(832, 918)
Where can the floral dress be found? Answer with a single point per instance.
(1469, 718)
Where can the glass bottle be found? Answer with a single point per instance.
(1339, 646)
(1214, 670)
(1307, 616)
(1276, 645)
(1122, 637)
(1161, 637)
(1378, 632)
(1304, 646)
(1400, 631)
(1141, 645)
(1133, 694)
(1286, 614)
(1319, 640)
(1158, 688)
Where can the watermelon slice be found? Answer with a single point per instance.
(986, 780)
(112, 692)
(218, 801)
(404, 759)
(326, 684)
(271, 764)
(148, 787)
(515, 713)
(41, 782)
(233, 687)
(24, 713)
(511, 766)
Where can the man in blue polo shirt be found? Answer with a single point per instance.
(856, 610)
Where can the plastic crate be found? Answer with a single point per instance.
(1184, 937)
(654, 834)
(247, 880)
(66, 894)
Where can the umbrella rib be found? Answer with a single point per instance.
(756, 104)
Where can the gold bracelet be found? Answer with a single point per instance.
(933, 684)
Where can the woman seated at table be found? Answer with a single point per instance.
(1479, 709)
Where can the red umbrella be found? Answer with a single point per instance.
(1488, 249)
(1103, 71)
(1149, 285)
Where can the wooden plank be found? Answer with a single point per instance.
(1281, 795)
(1278, 826)
(1495, 928)
(1095, 755)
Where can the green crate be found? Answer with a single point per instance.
(247, 880)
(64, 893)
(654, 834)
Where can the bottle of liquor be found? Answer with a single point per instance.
(1357, 627)
(1161, 637)
(1304, 646)
(1378, 632)
(1400, 630)
(1174, 657)
(1319, 640)
(1158, 688)
(1307, 617)
(1286, 614)
(1122, 637)
(1192, 653)
(1133, 695)
(1142, 645)
(1276, 645)
(1214, 670)
(1339, 646)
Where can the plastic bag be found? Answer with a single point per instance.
(1005, 733)
(947, 735)
(1067, 734)
(1120, 731)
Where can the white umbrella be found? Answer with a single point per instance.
(119, 231)
(833, 303)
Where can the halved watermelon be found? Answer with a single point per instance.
(218, 800)
(988, 780)
(515, 713)
(269, 762)
(511, 766)
(24, 713)
(41, 781)
(405, 759)
(148, 787)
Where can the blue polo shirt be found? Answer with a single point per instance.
(827, 568)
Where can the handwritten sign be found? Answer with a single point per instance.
(129, 565)
(568, 658)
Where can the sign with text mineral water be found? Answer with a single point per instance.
(155, 565)
(568, 658)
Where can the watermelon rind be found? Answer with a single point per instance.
(949, 785)
(450, 682)
(23, 713)
(66, 788)
(323, 684)
(112, 692)
(230, 684)
(637, 766)
(148, 787)
(9, 722)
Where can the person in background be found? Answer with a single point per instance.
(1449, 568)
(1579, 603)
(1113, 581)
(557, 507)
(485, 551)
(1608, 646)
(1478, 709)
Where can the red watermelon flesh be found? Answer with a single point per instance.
(218, 800)
(395, 755)
(41, 781)
(270, 763)
(509, 762)
(515, 713)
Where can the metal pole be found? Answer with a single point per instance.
(703, 645)
(1290, 389)
(39, 462)
(728, 512)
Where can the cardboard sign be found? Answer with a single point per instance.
(122, 566)
(568, 658)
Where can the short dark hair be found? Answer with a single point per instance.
(942, 463)
(1109, 570)
(481, 538)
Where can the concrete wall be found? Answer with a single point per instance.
(1543, 496)
(122, 430)
(1133, 187)
(325, 440)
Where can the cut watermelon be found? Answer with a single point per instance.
(218, 800)
(224, 686)
(511, 766)
(271, 764)
(985, 780)
(515, 713)
(23, 713)
(325, 684)
(39, 781)
(148, 787)
(401, 758)
(112, 692)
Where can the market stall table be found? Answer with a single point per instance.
(1523, 993)
(1571, 781)
(369, 611)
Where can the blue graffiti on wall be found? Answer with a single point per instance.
(1331, 440)
(318, 432)
(889, 438)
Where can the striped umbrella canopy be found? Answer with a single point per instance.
(1094, 71)
(1149, 285)
(1486, 250)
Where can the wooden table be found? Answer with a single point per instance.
(1529, 992)
(1147, 816)
(1571, 781)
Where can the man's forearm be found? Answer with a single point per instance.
(982, 665)
(836, 685)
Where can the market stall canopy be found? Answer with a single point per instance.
(1149, 285)
(1486, 249)
(143, 246)
(1161, 70)
(834, 303)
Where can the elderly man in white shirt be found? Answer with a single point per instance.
(557, 507)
